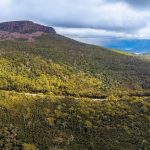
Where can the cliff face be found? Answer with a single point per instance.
(25, 27)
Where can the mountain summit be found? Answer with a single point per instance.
(25, 27)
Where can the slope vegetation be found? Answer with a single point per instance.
(60, 94)
(53, 63)
(50, 123)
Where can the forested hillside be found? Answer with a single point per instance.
(60, 94)
(53, 63)
(52, 123)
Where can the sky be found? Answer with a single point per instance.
(120, 24)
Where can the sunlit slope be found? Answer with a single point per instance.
(71, 124)
(75, 66)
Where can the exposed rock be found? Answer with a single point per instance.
(4, 35)
(25, 27)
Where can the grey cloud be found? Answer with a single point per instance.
(97, 25)
(75, 14)
(135, 3)
(139, 3)
(108, 15)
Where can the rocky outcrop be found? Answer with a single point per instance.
(25, 27)
(4, 35)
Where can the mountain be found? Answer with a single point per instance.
(137, 46)
(30, 58)
(25, 30)
(57, 93)
(25, 27)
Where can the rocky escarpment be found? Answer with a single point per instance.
(4, 35)
(25, 27)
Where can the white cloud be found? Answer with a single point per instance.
(89, 33)
(4, 8)
(79, 13)
(82, 19)
(144, 33)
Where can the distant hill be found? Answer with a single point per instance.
(139, 46)
(25, 27)
(25, 30)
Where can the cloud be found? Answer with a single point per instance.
(96, 14)
(136, 3)
(84, 19)
(102, 37)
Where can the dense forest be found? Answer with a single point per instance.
(52, 123)
(60, 94)
(62, 66)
